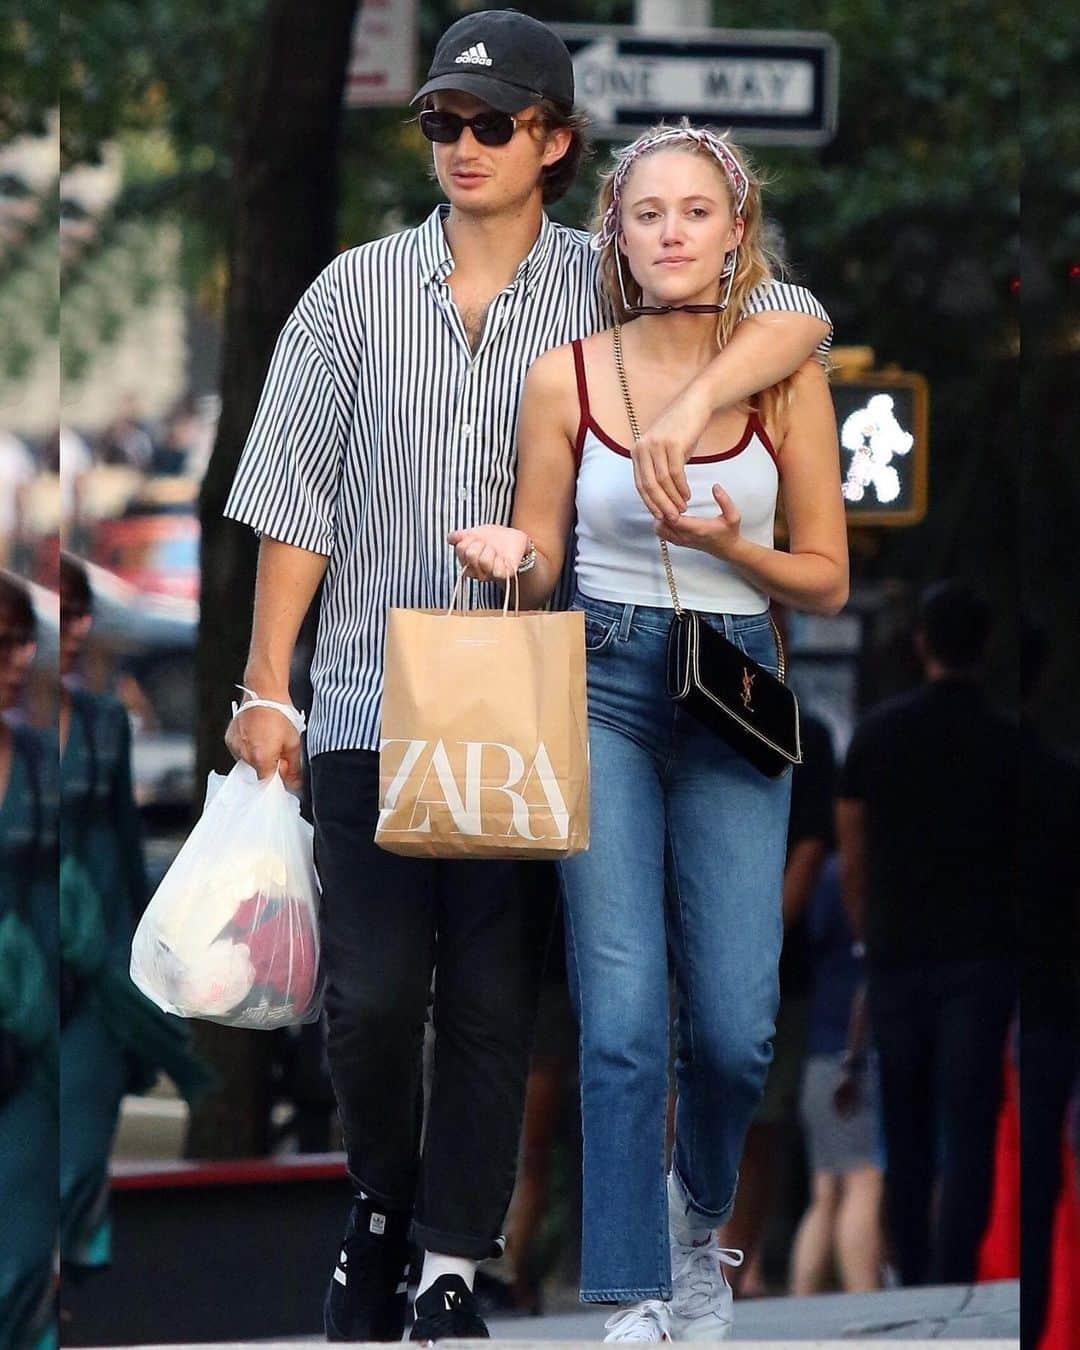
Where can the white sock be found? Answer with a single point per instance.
(436, 1266)
(685, 1226)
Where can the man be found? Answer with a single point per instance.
(386, 421)
(926, 828)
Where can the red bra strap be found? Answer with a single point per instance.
(583, 399)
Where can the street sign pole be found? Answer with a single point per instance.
(662, 16)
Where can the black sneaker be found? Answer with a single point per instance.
(448, 1310)
(366, 1298)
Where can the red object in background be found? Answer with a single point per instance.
(1063, 1310)
(158, 551)
(999, 1256)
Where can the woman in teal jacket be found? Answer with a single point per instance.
(28, 962)
(112, 1040)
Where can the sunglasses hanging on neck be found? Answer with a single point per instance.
(638, 310)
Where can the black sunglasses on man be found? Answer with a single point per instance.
(490, 127)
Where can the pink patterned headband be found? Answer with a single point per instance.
(717, 147)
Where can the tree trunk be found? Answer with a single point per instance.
(284, 201)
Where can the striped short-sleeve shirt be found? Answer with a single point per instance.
(380, 429)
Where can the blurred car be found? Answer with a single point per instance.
(154, 545)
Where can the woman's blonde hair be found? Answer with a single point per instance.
(755, 262)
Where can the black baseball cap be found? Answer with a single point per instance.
(504, 58)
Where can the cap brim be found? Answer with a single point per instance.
(508, 98)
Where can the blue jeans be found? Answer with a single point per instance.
(688, 846)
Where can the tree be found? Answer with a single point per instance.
(284, 151)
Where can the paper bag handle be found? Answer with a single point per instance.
(457, 600)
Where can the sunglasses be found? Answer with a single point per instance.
(489, 128)
(676, 309)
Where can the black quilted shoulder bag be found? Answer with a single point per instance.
(754, 711)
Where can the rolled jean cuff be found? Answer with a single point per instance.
(662, 1292)
(394, 1204)
(456, 1244)
(715, 1216)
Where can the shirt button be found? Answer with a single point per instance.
(466, 431)
(464, 494)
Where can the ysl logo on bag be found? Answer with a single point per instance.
(493, 778)
(747, 688)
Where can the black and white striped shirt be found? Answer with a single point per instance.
(379, 430)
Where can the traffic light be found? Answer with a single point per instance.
(881, 419)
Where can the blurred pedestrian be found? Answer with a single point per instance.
(112, 1040)
(550, 1091)
(840, 1237)
(127, 440)
(926, 823)
(29, 955)
(688, 839)
(810, 841)
(17, 470)
(387, 419)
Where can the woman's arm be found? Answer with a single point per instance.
(813, 574)
(546, 479)
(763, 350)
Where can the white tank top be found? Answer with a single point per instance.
(618, 554)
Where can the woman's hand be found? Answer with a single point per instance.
(488, 552)
(661, 454)
(719, 536)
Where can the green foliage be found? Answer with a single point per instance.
(29, 69)
(171, 64)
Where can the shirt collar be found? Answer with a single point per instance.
(433, 252)
(436, 262)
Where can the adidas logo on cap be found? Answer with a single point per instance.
(474, 56)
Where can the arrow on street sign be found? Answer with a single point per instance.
(770, 87)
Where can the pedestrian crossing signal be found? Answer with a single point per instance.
(881, 420)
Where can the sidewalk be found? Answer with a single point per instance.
(982, 1317)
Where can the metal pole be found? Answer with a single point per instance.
(666, 16)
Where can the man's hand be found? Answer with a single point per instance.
(661, 454)
(489, 551)
(718, 535)
(268, 741)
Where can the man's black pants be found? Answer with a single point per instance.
(940, 1031)
(388, 923)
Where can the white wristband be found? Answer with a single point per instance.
(295, 716)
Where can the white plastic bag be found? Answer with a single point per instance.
(231, 934)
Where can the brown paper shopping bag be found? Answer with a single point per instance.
(484, 750)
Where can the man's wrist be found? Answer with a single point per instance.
(266, 684)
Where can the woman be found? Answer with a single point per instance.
(28, 958)
(112, 1040)
(687, 838)
(841, 1230)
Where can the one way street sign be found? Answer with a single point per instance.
(770, 87)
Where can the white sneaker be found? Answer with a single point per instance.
(701, 1307)
(649, 1321)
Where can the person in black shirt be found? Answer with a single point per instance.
(926, 827)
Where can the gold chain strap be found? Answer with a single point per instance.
(616, 333)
